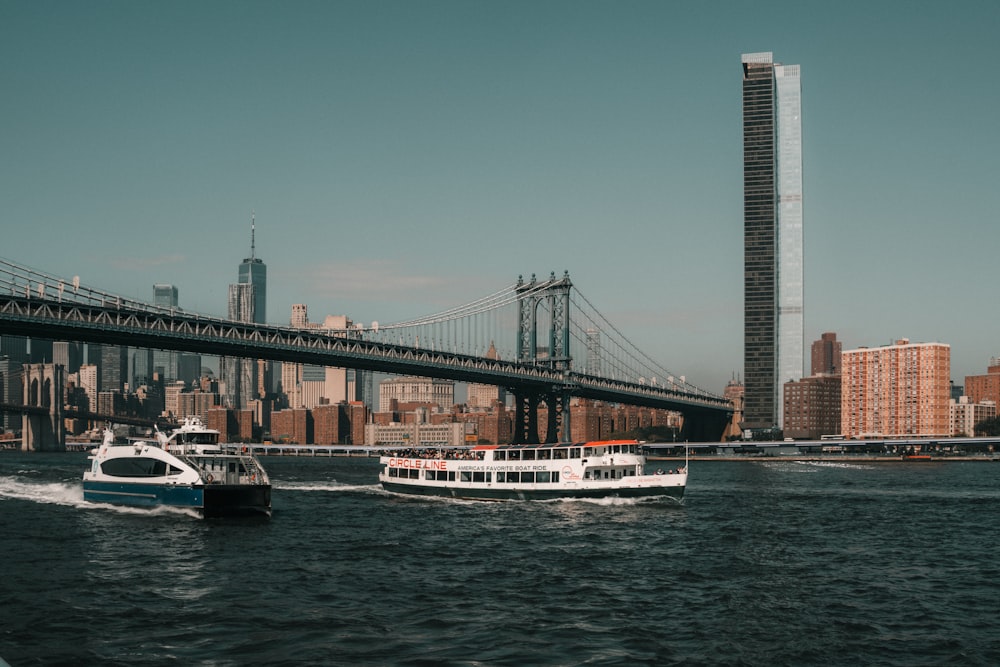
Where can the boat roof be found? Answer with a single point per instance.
(592, 443)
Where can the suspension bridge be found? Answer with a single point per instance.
(550, 344)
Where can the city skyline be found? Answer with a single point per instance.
(404, 158)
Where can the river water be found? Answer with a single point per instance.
(767, 563)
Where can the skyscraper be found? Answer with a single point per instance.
(165, 361)
(254, 272)
(772, 226)
(247, 303)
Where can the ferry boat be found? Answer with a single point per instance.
(600, 469)
(189, 469)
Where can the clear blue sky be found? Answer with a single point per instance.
(406, 156)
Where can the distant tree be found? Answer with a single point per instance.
(988, 427)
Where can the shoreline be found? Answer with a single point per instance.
(834, 459)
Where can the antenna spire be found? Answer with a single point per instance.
(253, 231)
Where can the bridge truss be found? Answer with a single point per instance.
(539, 339)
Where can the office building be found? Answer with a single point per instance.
(247, 303)
(15, 348)
(772, 220)
(165, 361)
(896, 391)
(69, 354)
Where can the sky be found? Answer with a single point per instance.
(404, 157)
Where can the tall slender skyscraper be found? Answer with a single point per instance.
(247, 303)
(254, 271)
(772, 224)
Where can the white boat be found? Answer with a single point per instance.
(189, 468)
(607, 468)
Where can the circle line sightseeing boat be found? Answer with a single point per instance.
(600, 469)
(187, 469)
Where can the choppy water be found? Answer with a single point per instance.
(766, 564)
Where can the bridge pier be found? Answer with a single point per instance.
(43, 387)
(557, 425)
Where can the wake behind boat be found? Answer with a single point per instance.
(188, 469)
(600, 469)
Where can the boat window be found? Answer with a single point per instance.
(393, 472)
(555, 476)
(134, 466)
(501, 477)
(414, 473)
(499, 455)
(174, 471)
(544, 454)
(451, 475)
(489, 477)
(465, 476)
(528, 477)
(479, 476)
(543, 477)
(529, 455)
(574, 453)
(430, 474)
(480, 455)
(588, 451)
(514, 455)
(560, 453)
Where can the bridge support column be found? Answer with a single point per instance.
(43, 387)
(558, 426)
(525, 418)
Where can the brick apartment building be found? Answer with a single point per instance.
(896, 391)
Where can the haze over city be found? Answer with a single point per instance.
(401, 158)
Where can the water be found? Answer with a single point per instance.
(767, 564)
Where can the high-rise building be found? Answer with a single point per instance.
(247, 303)
(897, 391)
(165, 361)
(16, 348)
(69, 354)
(812, 407)
(253, 271)
(772, 223)
(981, 388)
(112, 366)
(826, 355)
(11, 373)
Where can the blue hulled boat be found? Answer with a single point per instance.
(188, 469)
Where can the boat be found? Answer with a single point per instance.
(187, 469)
(598, 469)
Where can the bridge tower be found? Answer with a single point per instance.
(43, 388)
(554, 295)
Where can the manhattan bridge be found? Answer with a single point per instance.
(551, 342)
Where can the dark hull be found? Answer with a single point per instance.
(213, 500)
(675, 493)
(242, 500)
